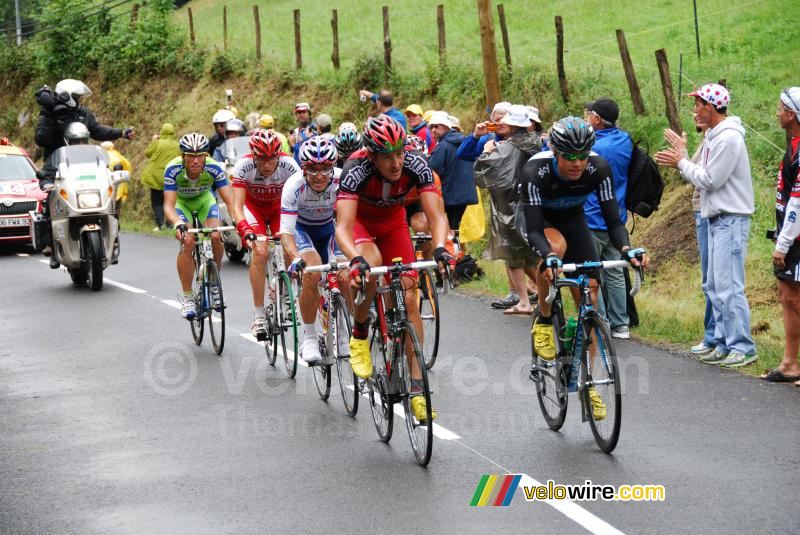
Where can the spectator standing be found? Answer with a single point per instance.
(267, 122)
(418, 126)
(385, 103)
(159, 153)
(472, 146)
(324, 124)
(497, 170)
(457, 176)
(726, 200)
(305, 128)
(786, 255)
(615, 146)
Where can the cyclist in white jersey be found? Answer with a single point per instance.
(308, 231)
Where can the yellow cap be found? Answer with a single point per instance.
(427, 115)
(232, 109)
(266, 121)
(416, 109)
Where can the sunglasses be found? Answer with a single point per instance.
(576, 156)
(319, 172)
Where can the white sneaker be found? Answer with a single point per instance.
(259, 328)
(621, 331)
(188, 309)
(310, 351)
(701, 349)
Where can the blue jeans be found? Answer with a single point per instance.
(612, 300)
(727, 250)
(701, 227)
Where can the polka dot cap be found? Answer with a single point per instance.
(714, 94)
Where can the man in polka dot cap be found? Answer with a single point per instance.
(722, 175)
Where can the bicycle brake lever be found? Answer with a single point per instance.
(551, 294)
(638, 279)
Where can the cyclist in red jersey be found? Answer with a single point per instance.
(371, 227)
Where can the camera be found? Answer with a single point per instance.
(771, 234)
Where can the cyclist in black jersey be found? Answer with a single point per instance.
(552, 189)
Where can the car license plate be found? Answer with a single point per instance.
(14, 222)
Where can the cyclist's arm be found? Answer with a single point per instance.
(346, 210)
(170, 213)
(237, 205)
(530, 201)
(436, 219)
(227, 197)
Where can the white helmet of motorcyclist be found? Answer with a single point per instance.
(70, 92)
(223, 116)
(76, 134)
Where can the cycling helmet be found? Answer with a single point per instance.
(265, 144)
(70, 92)
(571, 135)
(266, 121)
(415, 143)
(193, 143)
(383, 134)
(347, 127)
(348, 141)
(235, 125)
(317, 150)
(222, 116)
(76, 134)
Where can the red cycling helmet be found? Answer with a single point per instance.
(265, 144)
(383, 134)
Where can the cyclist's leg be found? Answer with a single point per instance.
(208, 212)
(419, 223)
(258, 264)
(185, 260)
(309, 297)
(558, 244)
(366, 247)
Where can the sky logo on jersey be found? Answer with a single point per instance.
(496, 490)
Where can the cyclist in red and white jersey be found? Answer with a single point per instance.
(371, 227)
(258, 181)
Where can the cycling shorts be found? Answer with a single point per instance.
(579, 239)
(791, 270)
(390, 236)
(319, 238)
(205, 205)
(411, 210)
(260, 217)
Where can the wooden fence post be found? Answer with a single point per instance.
(630, 74)
(191, 26)
(669, 97)
(225, 28)
(440, 26)
(257, 21)
(562, 77)
(387, 41)
(298, 49)
(335, 27)
(491, 74)
(134, 15)
(501, 14)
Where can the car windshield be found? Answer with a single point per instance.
(73, 154)
(16, 167)
(235, 148)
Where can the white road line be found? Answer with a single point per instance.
(23, 255)
(44, 261)
(171, 303)
(250, 337)
(124, 286)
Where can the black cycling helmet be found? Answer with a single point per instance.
(571, 135)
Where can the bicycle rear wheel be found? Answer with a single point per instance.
(420, 433)
(216, 307)
(602, 373)
(429, 312)
(339, 330)
(287, 323)
(379, 404)
(197, 323)
(551, 377)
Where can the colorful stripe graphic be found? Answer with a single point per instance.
(495, 490)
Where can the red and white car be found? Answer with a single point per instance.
(19, 193)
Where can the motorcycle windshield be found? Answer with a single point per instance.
(80, 154)
(235, 148)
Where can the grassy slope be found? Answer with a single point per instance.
(749, 52)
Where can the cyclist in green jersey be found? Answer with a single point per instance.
(188, 183)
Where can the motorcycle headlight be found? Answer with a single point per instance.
(89, 199)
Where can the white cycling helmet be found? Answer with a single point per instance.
(223, 116)
(70, 91)
(76, 134)
(235, 125)
(347, 127)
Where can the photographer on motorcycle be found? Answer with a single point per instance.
(60, 108)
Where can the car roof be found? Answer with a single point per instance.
(12, 149)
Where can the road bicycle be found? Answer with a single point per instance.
(334, 328)
(391, 334)
(428, 300)
(585, 357)
(207, 288)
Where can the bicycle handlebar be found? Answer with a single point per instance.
(209, 230)
(324, 268)
(638, 274)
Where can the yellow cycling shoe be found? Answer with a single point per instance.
(543, 342)
(598, 407)
(360, 359)
(419, 409)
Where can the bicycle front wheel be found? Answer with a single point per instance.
(429, 312)
(551, 377)
(601, 374)
(379, 404)
(197, 324)
(420, 431)
(287, 324)
(322, 371)
(216, 306)
(339, 330)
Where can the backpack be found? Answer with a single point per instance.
(468, 269)
(645, 184)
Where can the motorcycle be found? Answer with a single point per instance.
(83, 224)
(232, 150)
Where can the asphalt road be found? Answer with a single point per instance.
(113, 421)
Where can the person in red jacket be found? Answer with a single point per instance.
(419, 127)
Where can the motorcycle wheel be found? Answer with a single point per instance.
(235, 255)
(79, 276)
(94, 257)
